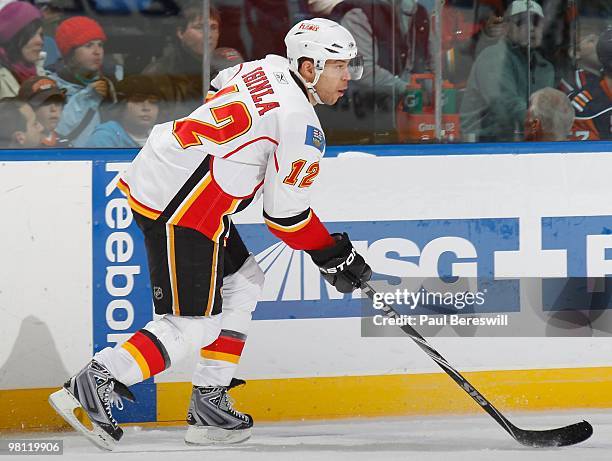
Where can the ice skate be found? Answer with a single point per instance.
(213, 420)
(85, 403)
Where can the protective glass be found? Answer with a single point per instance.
(355, 67)
(339, 68)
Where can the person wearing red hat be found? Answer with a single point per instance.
(81, 43)
(21, 43)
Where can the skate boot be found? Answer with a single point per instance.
(85, 403)
(213, 420)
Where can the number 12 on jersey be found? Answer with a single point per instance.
(296, 169)
(232, 120)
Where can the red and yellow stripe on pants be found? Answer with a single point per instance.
(227, 347)
(148, 352)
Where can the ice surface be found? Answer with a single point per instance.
(472, 438)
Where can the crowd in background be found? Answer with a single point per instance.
(102, 73)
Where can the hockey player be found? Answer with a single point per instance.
(593, 102)
(257, 135)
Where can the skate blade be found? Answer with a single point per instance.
(67, 406)
(201, 435)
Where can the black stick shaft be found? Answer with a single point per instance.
(447, 367)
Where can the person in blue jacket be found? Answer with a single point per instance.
(134, 115)
(81, 43)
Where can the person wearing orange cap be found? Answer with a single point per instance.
(47, 101)
(81, 43)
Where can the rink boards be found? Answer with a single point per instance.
(74, 280)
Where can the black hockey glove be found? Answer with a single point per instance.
(341, 265)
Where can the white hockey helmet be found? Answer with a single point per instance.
(321, 39)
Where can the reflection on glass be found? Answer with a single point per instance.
(487, 59)
(503, 77)
(393, 38)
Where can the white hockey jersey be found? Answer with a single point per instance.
(258, 133)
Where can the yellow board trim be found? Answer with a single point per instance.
(215, 355)
(140, 360)
(404, 395)
(350, 396)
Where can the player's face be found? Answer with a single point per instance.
(333, 81)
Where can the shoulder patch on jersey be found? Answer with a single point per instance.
(315, 137)
(280, 78)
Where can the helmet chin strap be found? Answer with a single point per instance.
(313, 91)
(310, 86)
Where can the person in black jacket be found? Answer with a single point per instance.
(593, 102)
(178, 71)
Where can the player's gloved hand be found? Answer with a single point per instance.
(341, 265)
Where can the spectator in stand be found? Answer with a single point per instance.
(271, 16)
(593, 102)
(504, 76)
(549, 117)
(19, 128)
(47, 100)
(136, 113)
(588, 67)
(21, 43)
(462, 41)
(51, 17)
(81, 42)
(391, 49)
(222, 58)
(179, 71)
(393, 38)
(586, 55)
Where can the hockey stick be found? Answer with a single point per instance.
(562, 436)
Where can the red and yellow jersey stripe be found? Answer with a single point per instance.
(135, 204)
(206, 207)
(301, 232)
